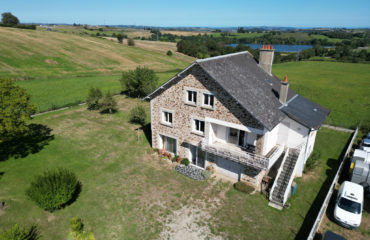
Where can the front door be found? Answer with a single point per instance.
(197, 156)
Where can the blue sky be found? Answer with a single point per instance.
(215, 13)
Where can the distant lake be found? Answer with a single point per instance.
(279, 47)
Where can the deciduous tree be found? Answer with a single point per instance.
(9, 19)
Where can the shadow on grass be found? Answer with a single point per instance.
(148, 133)
(314, 210)
(27, 143)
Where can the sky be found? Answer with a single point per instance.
(195, 13)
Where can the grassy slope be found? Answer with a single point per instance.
(341, 87)
(53, 93)
(128, 193)
(41, 54)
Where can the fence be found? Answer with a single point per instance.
(330, 192)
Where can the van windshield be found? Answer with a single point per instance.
(349, 205)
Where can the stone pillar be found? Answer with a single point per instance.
(259, 144)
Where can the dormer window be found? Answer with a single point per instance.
(191, 97)
(208, 100)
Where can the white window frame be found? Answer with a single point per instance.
(163, 117)
(186, 99)
(164, 137)
(208, 106)
(192, 101)
(193, 126)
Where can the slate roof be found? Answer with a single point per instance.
(257, 91)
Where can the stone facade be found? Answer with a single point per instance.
(172, 99)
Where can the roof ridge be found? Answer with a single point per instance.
(221, 56)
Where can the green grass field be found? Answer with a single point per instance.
(58, 92)
(29, 54)
(341, 87)
(129, 193)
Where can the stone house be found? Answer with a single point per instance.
(230, 112)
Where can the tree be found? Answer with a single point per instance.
(95, 95)
(119, 37)
(138, 115)
(108, 104)
(9, 19)
(139, 82)
(130, 42)
(15, 109)
(169, 53)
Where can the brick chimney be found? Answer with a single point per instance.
(266, 57)
(284, 88)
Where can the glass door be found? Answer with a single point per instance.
(197, 156)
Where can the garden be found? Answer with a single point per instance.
(126, 190)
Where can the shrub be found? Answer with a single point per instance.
(138, 115)
(243, 187)
(53, 189)
(108, 104)
(18, 233)
(174, 159)
(130, 42)
(76, 224)
(207, 174)
(185, 161)
(139, 82)
(77, 230)
(93, 98)
(119, 37)
(312, 161)
(169, 53)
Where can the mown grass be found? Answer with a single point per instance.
(341, 87)
(29, 54)
(54, 93)
(128, 193)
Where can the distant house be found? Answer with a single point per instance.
(230, 112)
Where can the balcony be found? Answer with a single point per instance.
(243, 156)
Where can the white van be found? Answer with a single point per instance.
(348, 207)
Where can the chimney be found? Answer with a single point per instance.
(284, 87)
(266, 57)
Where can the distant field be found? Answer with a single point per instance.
(54, 93)
(342, 87)
(27, 54)
(332, 40)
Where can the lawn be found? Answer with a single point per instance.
(341, 87)
(57, 92)
(129, 193)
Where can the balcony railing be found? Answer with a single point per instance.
(242, 156)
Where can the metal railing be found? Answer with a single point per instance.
(325, 204)
(236, 155)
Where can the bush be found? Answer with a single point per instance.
(243, 187)
(53, 189)
(169, 53)
(77, 230)
(93, 98)
(312, 161)
(207, 174)
(139, 82)
(76, 224)
(185, 162)
(119, 37)
(138, 115)
(19, 233)
(108, 104)
(130, 42)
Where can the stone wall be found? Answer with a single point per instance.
(173, 99)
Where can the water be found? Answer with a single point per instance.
(278, 47)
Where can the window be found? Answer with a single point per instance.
(198, 126)
(208, 100)
(192, 97)
(167, 117)
(169, 144)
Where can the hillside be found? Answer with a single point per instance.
(28, 54)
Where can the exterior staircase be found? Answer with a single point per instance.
(281, 187)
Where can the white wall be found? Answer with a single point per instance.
(270, 139)
(292, 133)
(311, 143)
